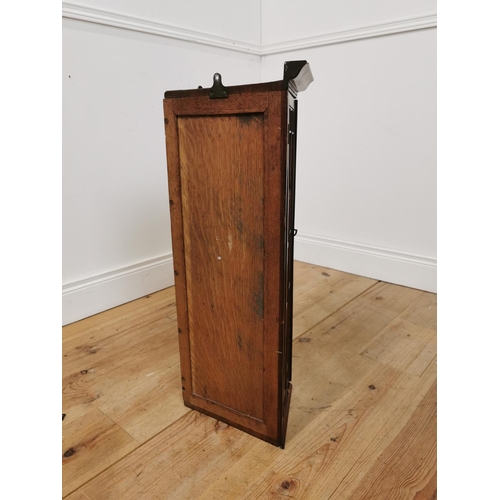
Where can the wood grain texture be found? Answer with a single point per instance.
(407, 464)
(117, 367)
(226, 167)
(78, 495)
(222, 173)
(361, 426)
(92, 434)
(330, 292)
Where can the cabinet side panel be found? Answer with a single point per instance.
(221, 162)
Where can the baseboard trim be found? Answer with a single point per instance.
(401, 268)
(89, 296)
(114, 19)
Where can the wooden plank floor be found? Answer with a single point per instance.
(362, 420)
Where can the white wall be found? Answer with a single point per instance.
(366, 180)
(116, 226)
(286, 20)
(238, 21)
(366, 148)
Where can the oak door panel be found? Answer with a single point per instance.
(222, 173)
(226, 172)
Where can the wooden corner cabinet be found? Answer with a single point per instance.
(231, 176)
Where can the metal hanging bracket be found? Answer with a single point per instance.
(218, 91)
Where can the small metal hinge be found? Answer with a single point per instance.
(218, 91)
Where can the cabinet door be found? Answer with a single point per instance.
(226, 173)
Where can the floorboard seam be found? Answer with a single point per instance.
(118, 425)
(122, 458)
(363, 459)
(115, 307)
(337, 310)
(405, 408)
(382, 329)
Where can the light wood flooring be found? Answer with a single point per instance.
(362, 420)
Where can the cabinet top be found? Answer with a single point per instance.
(296, 78)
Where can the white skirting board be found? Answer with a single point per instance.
(401, 268)
(95, 294)
(98, 293)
